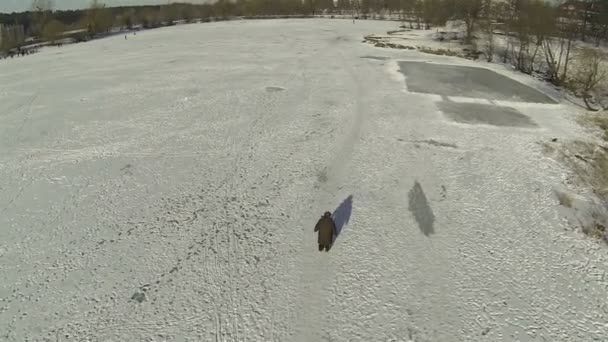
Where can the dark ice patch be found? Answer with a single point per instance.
(479, 113)
(436, 143)
(457, 80)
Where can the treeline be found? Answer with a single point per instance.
(539, 35)
(583, 19)
(534, 35)
(591, 15)
(155, 15)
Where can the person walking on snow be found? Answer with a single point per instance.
(327, 229)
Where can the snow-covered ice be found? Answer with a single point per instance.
(165, 188)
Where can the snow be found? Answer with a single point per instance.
(165, 188)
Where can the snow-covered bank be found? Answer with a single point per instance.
(165, 187)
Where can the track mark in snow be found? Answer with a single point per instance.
(375, 58)
(342, 39)
(420, 208)
(317, 273)
(26, 116)
(322, 176)
(17, 134)
(274, 89)
(433, 142)
(22, 188)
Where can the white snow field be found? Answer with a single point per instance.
(165, 188)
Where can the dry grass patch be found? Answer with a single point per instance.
(589, 162)
(564, 199)
(596, 231)
(598, 120)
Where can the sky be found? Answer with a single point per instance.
(8, 6)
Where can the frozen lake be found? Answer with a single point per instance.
(165, 188)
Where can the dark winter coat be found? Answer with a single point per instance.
(326, 228)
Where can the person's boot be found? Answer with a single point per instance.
(320, 248)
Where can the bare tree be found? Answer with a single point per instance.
(41, 14)
(169, 14)
(225, 8)
(53, 31)
(435, 13)
(505, 17)
(469, 11)
(342, 6)
(312, 6)
(589, 74)
(127, 19)
(487, 27)
(558, 46)
(526, 25)
(186, 12)
(601, 22)
(149, 18)
(417, 11)
(11, 36)
(406, 10)
(585, 16)
(98, 18)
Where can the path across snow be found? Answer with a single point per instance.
(165, 188)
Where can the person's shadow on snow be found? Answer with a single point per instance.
(341, 215)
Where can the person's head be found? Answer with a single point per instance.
(327, 214)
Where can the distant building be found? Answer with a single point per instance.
(11, 35)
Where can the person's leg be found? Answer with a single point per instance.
(320, 247)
